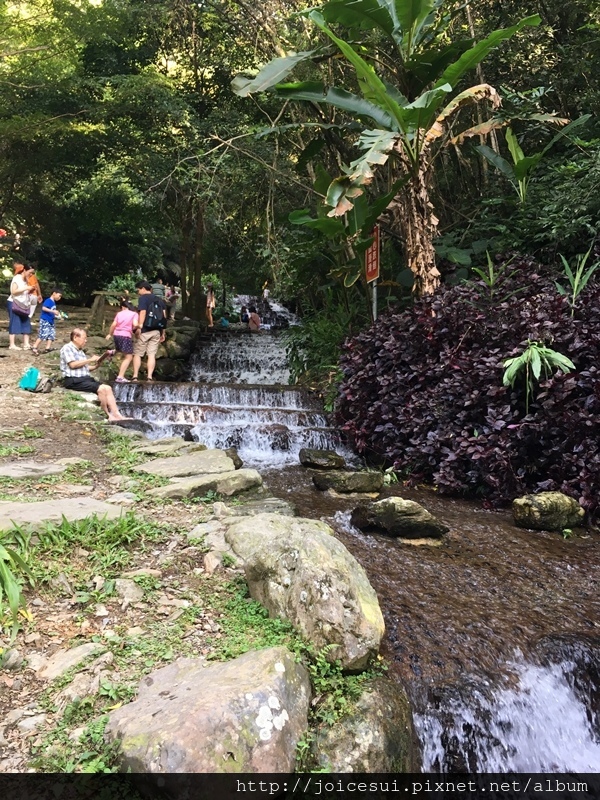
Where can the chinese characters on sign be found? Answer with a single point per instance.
(372, 257)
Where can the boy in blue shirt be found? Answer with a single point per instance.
(47, 330)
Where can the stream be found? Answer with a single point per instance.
(495, 634)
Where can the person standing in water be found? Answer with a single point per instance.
(211, 302)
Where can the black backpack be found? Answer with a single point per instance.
(155, 317)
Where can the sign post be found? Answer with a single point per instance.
(372, 266)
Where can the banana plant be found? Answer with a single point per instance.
(520, 171)
(533, 360)
(403, 101)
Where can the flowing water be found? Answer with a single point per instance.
(495, 633)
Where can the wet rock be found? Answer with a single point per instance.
(170, 446)
(206, 462)
(300, 572)
(346, 482)
(321, 459)
(245, 715)
(580, 654)
(64, 660)
(226, 483)
(398, 517)
(376, 735)
(133, 426)
(547, 511)
(37, 515)
(30, 469)
(234, 456)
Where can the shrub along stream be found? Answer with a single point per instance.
(423, 389)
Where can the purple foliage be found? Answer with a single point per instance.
(422, 390)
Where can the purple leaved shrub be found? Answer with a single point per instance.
(422, 390)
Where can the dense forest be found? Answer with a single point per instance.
(124, 147)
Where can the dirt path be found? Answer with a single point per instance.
(179, 608)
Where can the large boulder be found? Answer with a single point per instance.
(321, 459)
(205, 462)
(245, 715)
(376, 735)
(225, 483)
(300, 572)
(347, 482)
(547, 511)
(398, 517)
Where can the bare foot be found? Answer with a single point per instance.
(116, 418)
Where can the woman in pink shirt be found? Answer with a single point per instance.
(122, 332)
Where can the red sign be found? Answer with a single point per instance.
(372, 257)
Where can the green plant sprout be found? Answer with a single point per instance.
(535, 358)
(577, 279)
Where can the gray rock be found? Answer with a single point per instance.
(170, 446)
(376, 736)
(28, 724)
(267, 505)
(346, 482)
(11, 660)
(398, 517)
(63, 660)
(547, 511)
(245, 715)
(226, 483)
(321, 459)
(212, 562)
(30, 469)
(128, 590)
(123, 499)
(299, 571)
(37, 515)
(206, 462)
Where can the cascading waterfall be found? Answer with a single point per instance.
(236, 399)
(537, 723)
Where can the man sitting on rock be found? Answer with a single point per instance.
(75, 367)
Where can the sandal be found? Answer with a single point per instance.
(35, 351)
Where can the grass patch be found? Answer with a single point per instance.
(107, 542)
(122, 456)
(15, 450)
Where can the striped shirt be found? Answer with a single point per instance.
(70, 352)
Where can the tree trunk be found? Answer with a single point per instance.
(412, 216)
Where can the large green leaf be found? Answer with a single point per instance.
(371, 85)
(526, 165)
(421, 113)
(514, 146)
(499, 162)
(327, 225)
(316, 92)
(413, 16)
(359, 14)
(566, 130)
(271, 74)
(471, 58)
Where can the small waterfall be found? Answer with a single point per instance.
(241, 358)
(236, 399)
(539, 722)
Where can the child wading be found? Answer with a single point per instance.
(47, 329)
(122, 332)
